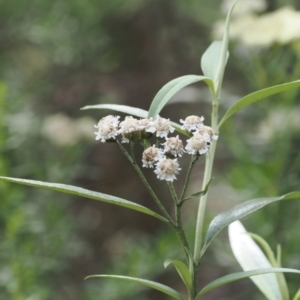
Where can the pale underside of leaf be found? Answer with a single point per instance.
(154, 285)
(78, 191)
(250, 257)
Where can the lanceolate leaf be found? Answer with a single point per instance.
(154, 285)
(241, 275)
(182, 270)
(222, 60)
(239, 211)
(78, 191)
(256, 96)
(133, 111)
(171, 88)
(120, 108)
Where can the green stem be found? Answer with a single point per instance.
(187, 179)
(145, 182)
(173, 192)
(178, 225)
(209, 160)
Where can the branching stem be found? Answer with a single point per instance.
(145, 182)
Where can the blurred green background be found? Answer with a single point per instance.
(58, 56)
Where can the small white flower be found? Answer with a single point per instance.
(151, 155)
(167, 169)
(192, 123)
(143, 123)
(207, 132)
(128, 126)
(160, 126)
(196, 144)
(107, 128)
(174, 146)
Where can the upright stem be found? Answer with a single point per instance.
(209, 159)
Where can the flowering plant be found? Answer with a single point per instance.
(162, 153)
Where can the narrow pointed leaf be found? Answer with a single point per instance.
(256, 96)
(265, 246)
(250, 256)
(133, 111)
(152, 284)
(222, 60)
(182, 270)
(171, 88)
(241, 275)
(201, 193)
(239, 211)
(78, 191)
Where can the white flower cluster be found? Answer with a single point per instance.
(164, 160)
(131, 129)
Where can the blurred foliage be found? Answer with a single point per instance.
(57, 56)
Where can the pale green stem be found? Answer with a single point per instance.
(209, 160)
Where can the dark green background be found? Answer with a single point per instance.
(58, 56)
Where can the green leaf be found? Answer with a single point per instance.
(201, 193)
(182, 270)
(78, 191)
(120, 108)
(266, 247)
(210, 61)
(241, 275)
(154, 285)
(250, 257)
(239, 211)
(223, 56)
(171, 88)
(297, 296)
(133, 111)
(258, 95)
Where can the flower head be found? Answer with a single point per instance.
(130, 129)
(174, 146)
(107, 128)
(160, 126)
(192, 123)
(151, 155)
(143, 125)
(196, 144)
(167, 169)
(207, 132)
